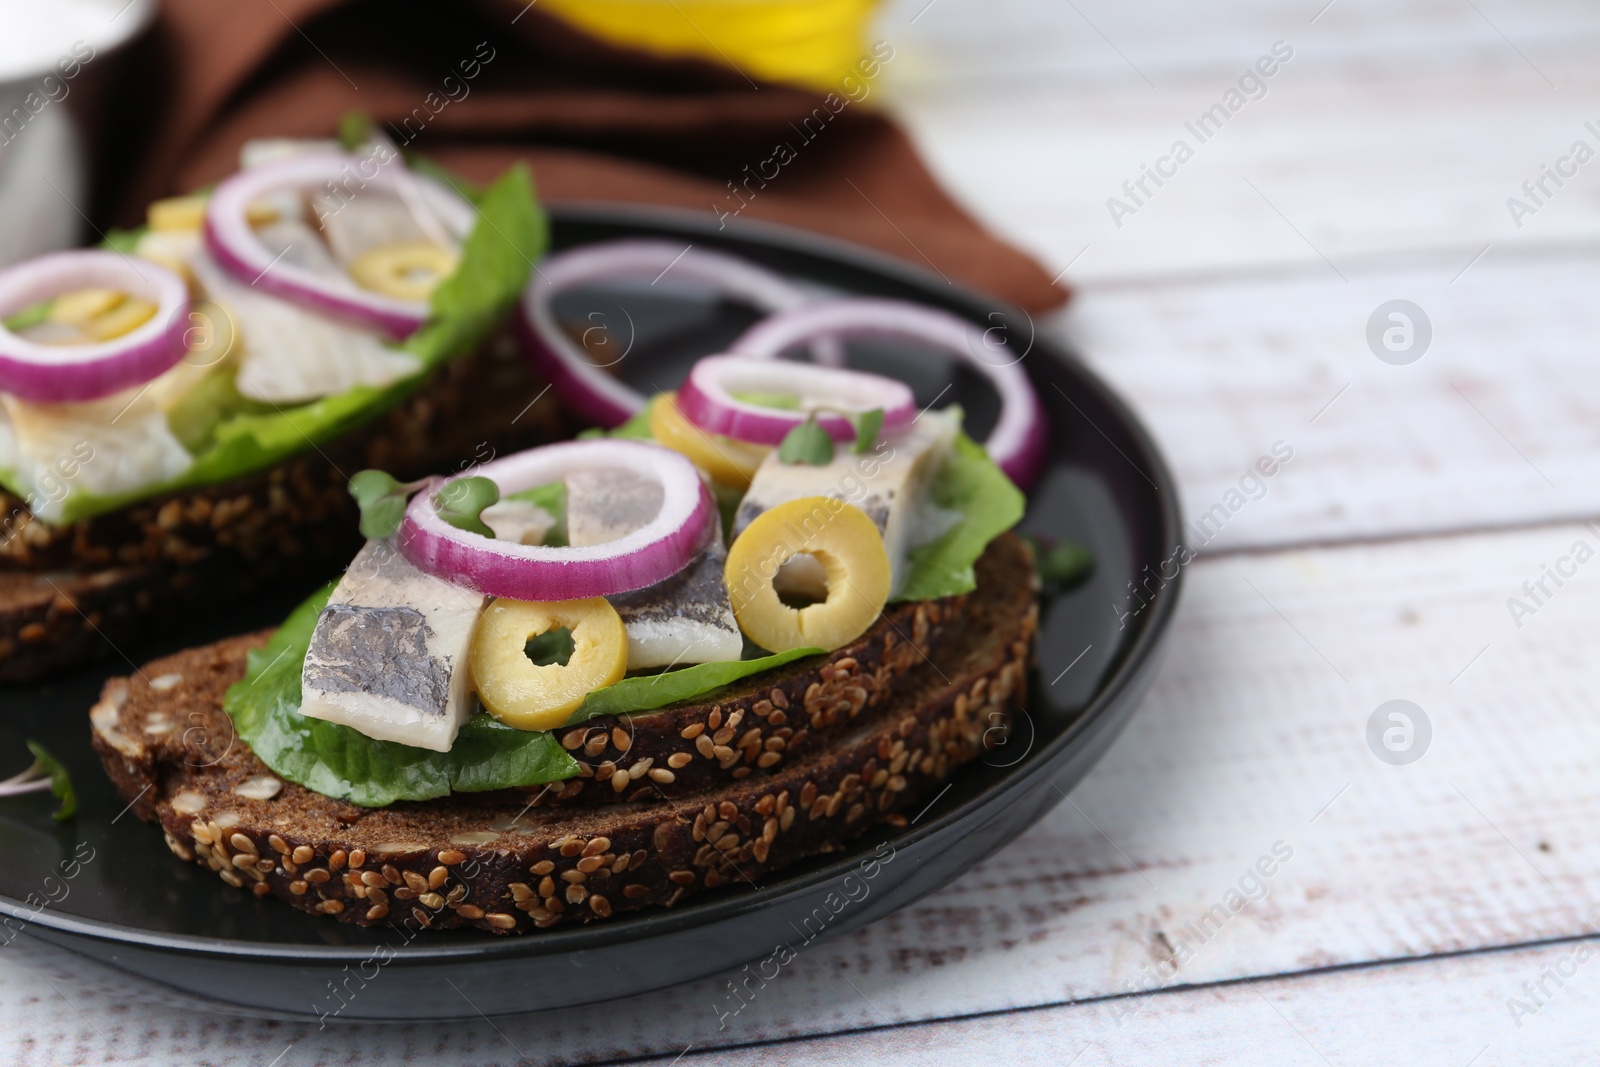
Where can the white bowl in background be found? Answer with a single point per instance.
(43, 174)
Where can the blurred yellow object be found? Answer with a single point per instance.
(80, 306)
(184, 214)
(409, 270)
(260, 213)
(177, 213)
(808, 42)
(99, 314)
(126, 317)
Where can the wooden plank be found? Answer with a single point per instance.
(1252, 740)
(967, 44)
(1373, 139)
(1493, 425)
(1447, 1012)
(1341, 189)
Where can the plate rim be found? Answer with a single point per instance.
(1134, 659)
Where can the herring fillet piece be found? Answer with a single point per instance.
(604, 505)
(296, 244)
(262, 150)
(356, 223)
(518, 521)
(388, 657)
(888, 483)
(116, 444)
(686, 618)
(289, 355)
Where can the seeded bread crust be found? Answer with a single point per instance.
(764, 723)
(68, 594)
(495, 862)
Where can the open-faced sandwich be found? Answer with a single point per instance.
(774, 610)
(179, 408)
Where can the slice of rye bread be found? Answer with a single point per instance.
(70, 594)
(495, 862)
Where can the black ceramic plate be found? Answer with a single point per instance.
(111, 890)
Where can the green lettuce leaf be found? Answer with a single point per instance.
(496, 259)
(214, 400)
(337, 761)
(781, 401)
(636, 428)
(553, 499)
(989, 505)
(650, 691)
(124, 241)
(32, 315)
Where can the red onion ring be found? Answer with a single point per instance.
(706, 398)
(230, 238)
(644, 557)
(1019, 439)
(586, 387)
(58, 374)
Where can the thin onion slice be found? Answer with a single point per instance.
(655, 551)
(57, 374)
(231, 239)
(591, 392)
(1019, 439)
(707, 398)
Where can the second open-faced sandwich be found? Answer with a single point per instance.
(180, 409)
(781, 608)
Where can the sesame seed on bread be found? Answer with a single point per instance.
(497, 862)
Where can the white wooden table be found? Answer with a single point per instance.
(1440, 912)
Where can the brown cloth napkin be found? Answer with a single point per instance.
(594, 121)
